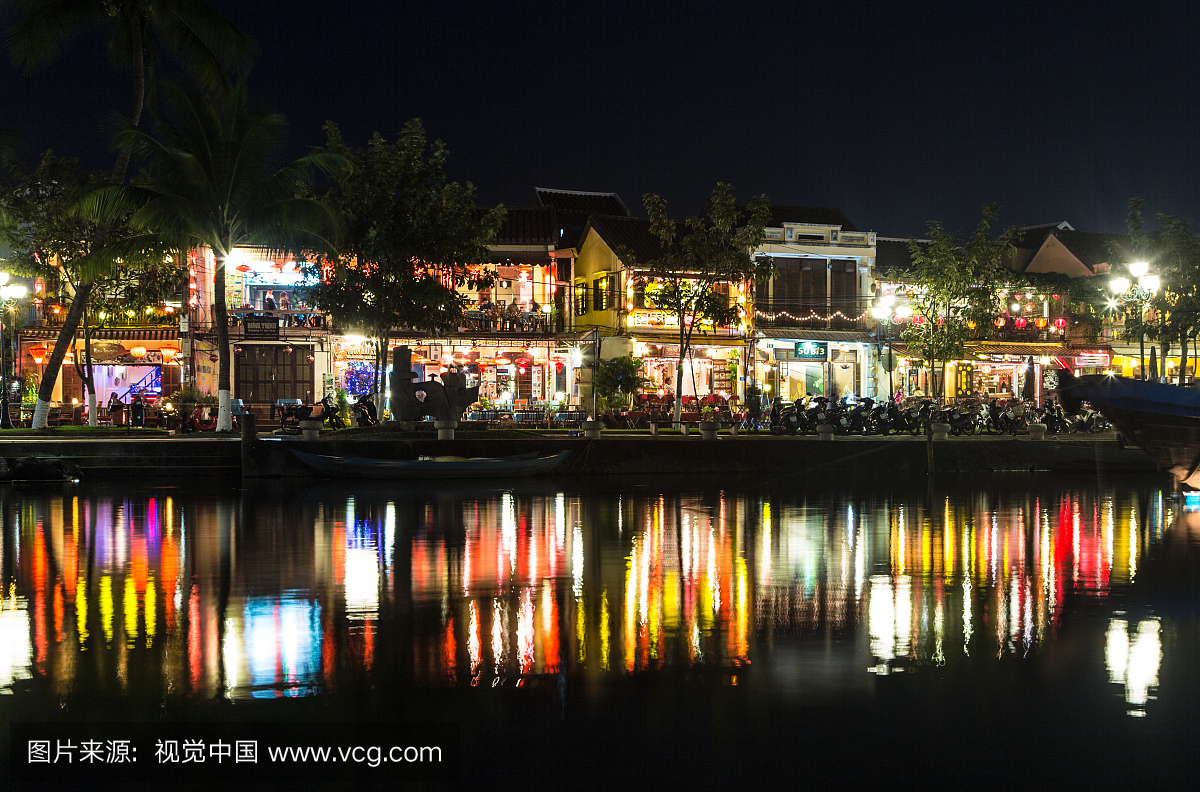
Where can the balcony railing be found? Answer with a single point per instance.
(835, 314)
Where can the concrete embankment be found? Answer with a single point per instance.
(646, 456)
(641, 456)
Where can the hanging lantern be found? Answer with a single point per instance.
(918, 320)
(244, 268)
(1041, 322)
(287, 350)
(1000, 321)
(138, 352)
(1028, 307)
(1060, 322)
(971, 325)
(1020, 322)
(38, 352)
(237, 350)
(941, 320)
(168, 353)
(310, 358)
(1055, 296)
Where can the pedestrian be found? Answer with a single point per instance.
(269, 301)
(116, 409)
(285, 304)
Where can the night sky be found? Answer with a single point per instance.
(898, 113)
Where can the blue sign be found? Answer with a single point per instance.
(812, 350)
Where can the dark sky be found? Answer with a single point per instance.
(899, 113)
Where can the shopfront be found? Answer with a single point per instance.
(125, 362)
(998, 370)
(708, 369)
(795, 368)
(507, 373)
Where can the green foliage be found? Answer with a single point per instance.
(411, 236)
(618, 379)
(47, 239)
(701, 258)
(957, 284)
(190, 394)
(211, 181)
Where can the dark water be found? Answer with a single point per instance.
(998, 632)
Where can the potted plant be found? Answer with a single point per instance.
(708, 423)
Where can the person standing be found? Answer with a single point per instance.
(269, 301)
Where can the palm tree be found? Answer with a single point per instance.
(210, 183)
(202, 41)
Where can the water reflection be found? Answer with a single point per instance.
(191, 594)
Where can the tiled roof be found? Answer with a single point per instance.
(585, 203)
(626, 232)
(1094, 248)
(811, 215)
(527, 225)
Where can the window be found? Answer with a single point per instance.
(581, 299)
(604, 291)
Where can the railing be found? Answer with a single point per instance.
(836, 314)
(51, 319)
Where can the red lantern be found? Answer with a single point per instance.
(1055, 296)
(918, 320)
(999, 322)
(1060, 322)
(1020, 322)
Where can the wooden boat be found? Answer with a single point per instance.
(442, 467)
(1162, 420)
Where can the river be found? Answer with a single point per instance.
(671, 633)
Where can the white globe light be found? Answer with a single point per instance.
(903, 312)
(1119, 285)
(1149, 282)
(18, 291)
(887, 300)
(1139, 268)
(3, 278)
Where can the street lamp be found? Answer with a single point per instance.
(888, 313)
(1127, 293)
(9, 295)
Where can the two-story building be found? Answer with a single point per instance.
(813, 330)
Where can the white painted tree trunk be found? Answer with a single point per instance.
(93, 418)
(40, 413)
(224, 412)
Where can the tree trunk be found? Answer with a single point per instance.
(1164, 350)
(93, 418)
(677, 412)
(65, 336)
(381, 391)
(1183, 357)
(221, 319)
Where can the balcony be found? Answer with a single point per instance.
(834, 314)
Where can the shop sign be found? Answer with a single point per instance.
(644, 318)
(812, 350)
(1089, 359)
(260, 328)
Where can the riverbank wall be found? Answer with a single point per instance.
(758, 456)
(633, 456)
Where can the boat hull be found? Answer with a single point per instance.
(1162, 420)
(427, 469)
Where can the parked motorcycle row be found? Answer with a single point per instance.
(868, 417)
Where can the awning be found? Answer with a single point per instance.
(988, 348)
(107, 334)
(800, 334)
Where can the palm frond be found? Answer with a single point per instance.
(44, 29)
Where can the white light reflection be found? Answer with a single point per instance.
(1135, 663)
(16, 653)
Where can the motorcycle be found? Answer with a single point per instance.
(196, 422)
(325, 410)
(786, 418)
(364, 410)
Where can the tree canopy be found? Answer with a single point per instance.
(410, 237)
(703, 260)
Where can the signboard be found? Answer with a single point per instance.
(260, 328)
(645, 318)
(537, 381)
(1088, 359)
(812, 350)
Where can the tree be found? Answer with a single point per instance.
(618, 377)
(210, 182)
(1174, 307)
(411, 238)
(48, 240)
(701, 261)
(957, 286)
(202, 41)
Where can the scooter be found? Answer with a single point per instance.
(196, 422)
(364, 410)
(325, 410)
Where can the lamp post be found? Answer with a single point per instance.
(1126, 292)
(887, 313)
(10, 294)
